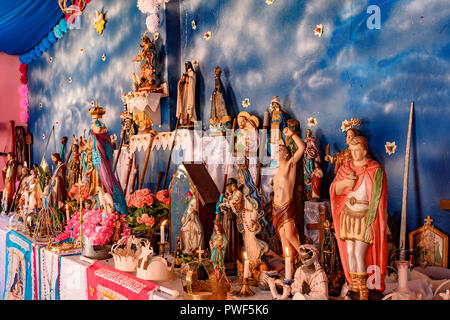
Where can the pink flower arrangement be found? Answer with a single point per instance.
(74, 192)
(145, 219)
(97, 226)
(140, 198)
(163, 196)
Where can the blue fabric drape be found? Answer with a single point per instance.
(26, 22)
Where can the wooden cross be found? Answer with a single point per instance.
(428, 220)
(200, 251)
(319, 226)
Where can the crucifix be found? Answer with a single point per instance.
(428, 220)
(200, 251)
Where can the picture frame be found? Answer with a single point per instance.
(429, 246)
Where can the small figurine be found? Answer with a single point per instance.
(312, 173)
(144, 122)
(58, 185)
(310, 281)
(218, 246)
(219, 121)
(358, 197)
(148, 79)
(278, 121)
(283, 188)
(250, 220)
(192, 236)
(186, 113)
(247, 137)
(344, 156)
(73, 167)
(9, 179)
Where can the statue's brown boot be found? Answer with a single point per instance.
(354, 277)
(363, 290)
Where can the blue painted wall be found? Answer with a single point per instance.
(351, 71)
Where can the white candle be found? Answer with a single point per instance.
(246, 266)
(162, 230)
(287, 265)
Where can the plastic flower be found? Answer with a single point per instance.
(81, 50)
(92, 103)
(103, 57)
(40, 105)
(194, 25)
(390, 147)
(56, 122)
(269, 2)
(207, 35)
(43, 136)
(345, 125)
(69, 80)
(50, 59)
(156, 36)
(312, 122)
(318, 30)
(246, 103)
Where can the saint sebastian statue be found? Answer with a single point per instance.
(358, 197)
(283, 188)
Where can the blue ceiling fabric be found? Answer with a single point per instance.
(24, 23)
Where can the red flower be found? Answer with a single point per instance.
(162, 195)
(23, 79)
(23, 68)
(166, 201)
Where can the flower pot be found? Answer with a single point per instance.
(94, 252)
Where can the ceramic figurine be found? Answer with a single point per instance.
(358, 197)
(345, 155)
(218, 246)
(192, 235)
(229, 208)
(73, 167)
(250, 220)
(278, 121)
(312, 173)
(58, 183)
(186, 113)
(219, 121)
(148, 78)
(310, 281)
(99, 155)
(143, 122)
(283, 213)
(247, 135)
(9, 179)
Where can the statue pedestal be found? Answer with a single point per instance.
(148, 102)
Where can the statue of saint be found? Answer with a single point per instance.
(9, 180)
(250, 220)
(218, 246)
(278, 121)
(73, 167)
(247, 138)
(358, 197)
(192, 235)
(219, 119)
(58, 184)
(283, 213)
(147, 57)
(311, 167)
(186, 113)
(345, 155)
(229, 208)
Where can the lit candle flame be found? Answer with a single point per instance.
(163, 223)
(245, 256)
(287, 251)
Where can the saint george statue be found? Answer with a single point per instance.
(192, 235)
(186, 113)
(358, 197)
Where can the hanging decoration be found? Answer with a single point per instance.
(318, 30)
(312, 122)
(246, 103)
(99, 22)
(270, 2)
(207, 35)
(23, 93)
(151, 7)
(390, 147)
(194, 25)
(152, 23)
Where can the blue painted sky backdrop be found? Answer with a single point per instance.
(266, 50)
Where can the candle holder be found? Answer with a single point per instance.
(161, 247)
(245, 290)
